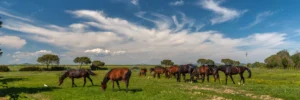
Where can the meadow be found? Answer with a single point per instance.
(265, 84)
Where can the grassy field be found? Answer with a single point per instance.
(264, 85)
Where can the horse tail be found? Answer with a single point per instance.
(91, 73)
(249, 71)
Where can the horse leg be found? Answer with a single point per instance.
(207, 77)
(118, 85)
(154, 75)
(113, 85)
(90, 80)
(158, 75)
(84, 81)
(73, 82)
(184, 77)
(127, 83)
(203, 77)
(232, 79)
(226, 79)
(242, 78)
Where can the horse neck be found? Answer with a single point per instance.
(106, 78)
(64, 75)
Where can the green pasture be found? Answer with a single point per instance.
(265, 84)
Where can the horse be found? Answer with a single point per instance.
(143, 71)
(77, 73)
(160, 70)
(183, 69)
(173, 70)
(233, 70)
(206, 70)
(116, 74)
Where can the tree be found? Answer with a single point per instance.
(249, 65)
(48, 59)
(82, 60)
(1, 52)
(202, 61)
(227, 61)
(210, 62)
(167, 62)
(98, 63)
(236, 63)
(284, 63)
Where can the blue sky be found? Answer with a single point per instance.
(147, 31)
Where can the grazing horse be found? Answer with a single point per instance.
(206, 70)
(77, 73)
(233, 70)
(183, 69)
(143, 71)
(116, 74)
(173, 70)
(160, 70)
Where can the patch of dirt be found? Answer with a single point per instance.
(230, 91)
(3, 98)
(39, 96)
(219, 98)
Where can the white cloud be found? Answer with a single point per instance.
(16, 17)
(135, 2)
(98, 51)
(18, 56)
(222, 14)
(136, 43)
(177, 3)
(259, 18)
(78, 27)
(12, 41)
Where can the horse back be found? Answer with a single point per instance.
(119, 73)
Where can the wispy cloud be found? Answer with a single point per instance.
(138, 43)
(222, 14)
(135, 2)
(29, 55)
(259, 18)
(177, 3)
(16, 17)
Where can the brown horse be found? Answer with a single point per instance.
(73, 73)
(206, 70)
(160, 70)
(116, 74)
(143, 71)
(233, 70)
(173, 70)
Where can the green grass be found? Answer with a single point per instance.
(265, 84)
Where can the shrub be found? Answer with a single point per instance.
(4, 68)
(57, 68)
(93, 67)
(31, 68)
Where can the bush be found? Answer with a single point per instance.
(4, 68)
(93, 67)
(31, 68)
(57, 68)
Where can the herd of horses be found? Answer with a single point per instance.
(124, 74)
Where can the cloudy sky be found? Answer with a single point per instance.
(148, 31)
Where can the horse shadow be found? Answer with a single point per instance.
(15, 92)
(133, 90)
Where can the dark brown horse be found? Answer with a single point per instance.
(143, 71)
(184, 69)
(233, 70)
(173, 70)
(160, 70)
(206, 70)
(77, 73)
(116, 74)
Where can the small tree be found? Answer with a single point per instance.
(48, 59)
(82, 60)
(98, 63)
(227, 61)
(285, 63)
(167, 62)
(202, 61)
(210, 62)
(236, 63)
